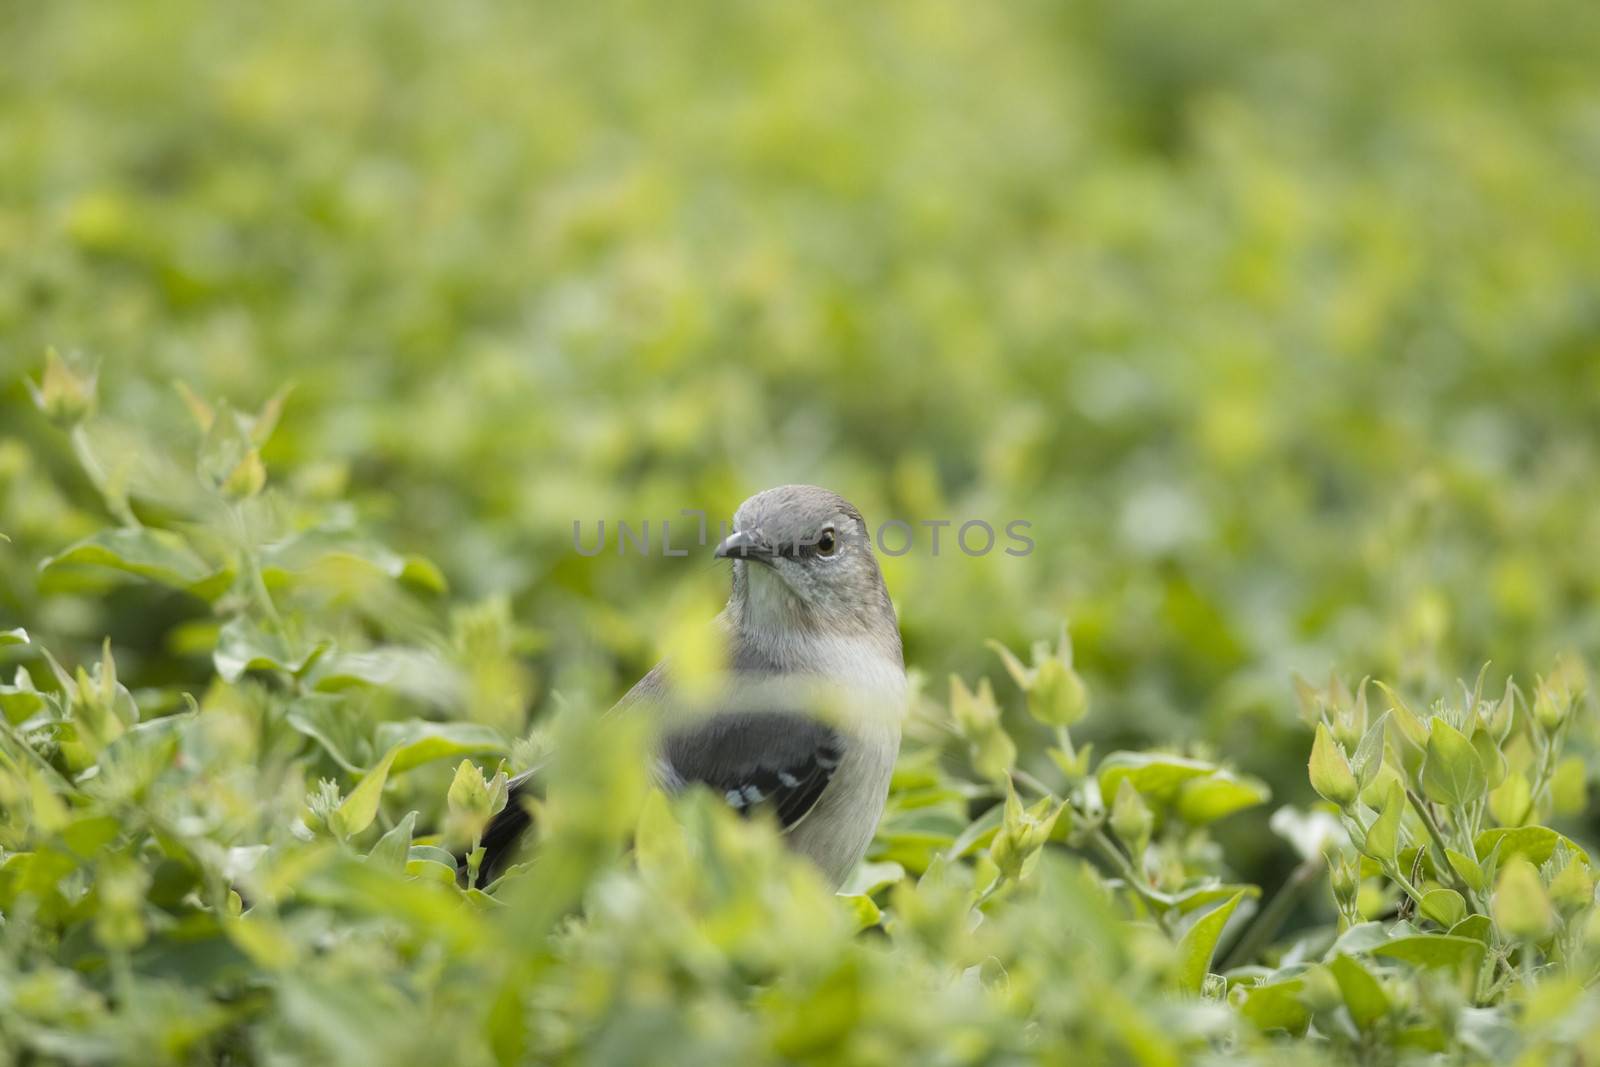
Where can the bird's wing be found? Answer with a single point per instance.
(757, 760)
(777, 760)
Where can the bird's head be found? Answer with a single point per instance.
(802, 559)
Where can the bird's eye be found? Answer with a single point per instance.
(826, 545)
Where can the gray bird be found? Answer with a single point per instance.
(806, 722)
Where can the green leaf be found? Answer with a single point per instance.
(414, 672)
(264, 940)
(1205, 800)
(432, 871)
(330, 723)
(18, 636)
(1362, 937)
(1369, 753)
(1477, 927)
(1188, 900)
(1383, 836)
(1444, 906)
(431, 854)
(1511, 802)
(1434, 950)
(21, 700)
(1521, 907)
(1157, 776)
(659, 845)
(1277, 1006)
(424, 574)
(1452, 774)
(361, 806)
(1467, 869)
(1199, 944)
(418, 741)
(871, 878)
(863, 912)
(156, 555)
(1533, 843)
(1490, 756)
(394, 847)
(243, 646)
(1362, 994)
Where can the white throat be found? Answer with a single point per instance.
(857, 663)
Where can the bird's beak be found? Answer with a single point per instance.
(745, 544)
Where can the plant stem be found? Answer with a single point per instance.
(987, 894)
(1023, 778)
(1443, 863)
(1397, 876)
(252, 564)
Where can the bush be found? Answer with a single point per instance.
(259, 868)
(1276, 324)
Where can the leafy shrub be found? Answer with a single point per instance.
(254, 865)
(1276, 322)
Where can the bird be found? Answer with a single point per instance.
(805, 723)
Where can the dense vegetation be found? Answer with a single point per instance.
(1280, 327)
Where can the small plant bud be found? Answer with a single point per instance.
(1023, 832)
(1058, 696)
(1550, 707)
(1344, 877)
(247, 479)
(64, 394)
(977, 717)
(1330, 771)
(321, 803)
(473, 800)
(1131, 820)
(1504, 715)
(1572, 889)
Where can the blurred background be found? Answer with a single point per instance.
(1279, 324)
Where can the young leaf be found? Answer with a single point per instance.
(1383, 836)
(1204, 800)
(1199, 943)
(1533, 843)
(1476, 927)
(1512, 802)
(361, 806)
(1521, 907)
(1130, 819)
(1435, 950)
(1452, 774)
(1444, 906)
(156, 555)
(1362, 993)
(1369, 753)
(392, 849)
(1467, 869)
(1489, 754)
(419, 741)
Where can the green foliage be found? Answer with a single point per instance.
(1275, 324)
(247, 864)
